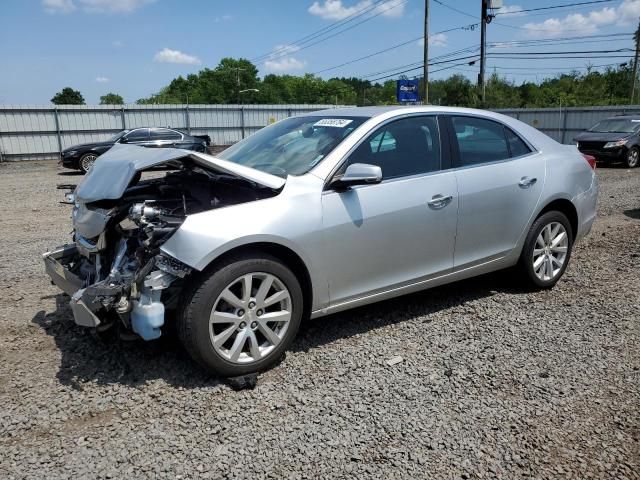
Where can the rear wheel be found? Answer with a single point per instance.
(87, 161)
(547, 250)
(243, 316)
(633, 157)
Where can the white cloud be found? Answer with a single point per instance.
(58, 6)
(588, 23)
(102, 79)
(511, 10)
(166, 55)
(284, 64)
(118, 43)
(335, 10)
(94, 6)
(629, 11)
(436, 40)
(281, 59)
(223, 18)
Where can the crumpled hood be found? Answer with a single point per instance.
(113, 171)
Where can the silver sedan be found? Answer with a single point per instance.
(314, 215)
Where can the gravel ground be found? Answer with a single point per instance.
(492, 381)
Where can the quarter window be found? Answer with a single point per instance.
(516, 144)
(409, 146)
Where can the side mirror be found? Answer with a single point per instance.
(123, 140)
(357, 174)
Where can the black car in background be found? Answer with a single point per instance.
(613, 140)
(81, 157)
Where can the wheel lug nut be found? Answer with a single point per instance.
(243, 324)
(252, 304)
(259, 312)
(254, 324)
(240, 313)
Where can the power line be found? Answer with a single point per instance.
(455, 9)
(393, 47)
(286, 49)
(552, 7)
(324, 30)
(619, 50)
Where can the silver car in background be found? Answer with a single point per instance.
(314, 215)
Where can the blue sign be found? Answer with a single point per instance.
(408, 91)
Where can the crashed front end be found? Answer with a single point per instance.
(114, 271)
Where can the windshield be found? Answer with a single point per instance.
(293, 146)
(118, 136)
(616, 125)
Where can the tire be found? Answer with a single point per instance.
(86, 162)
(259, 349)
(544, 274)
(632, 160)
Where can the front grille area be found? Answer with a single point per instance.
(591, 145)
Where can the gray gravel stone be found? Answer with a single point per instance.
(494, 381)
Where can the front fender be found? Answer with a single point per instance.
(292, 219)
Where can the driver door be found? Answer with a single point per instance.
(400, 231)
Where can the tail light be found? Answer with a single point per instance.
(591, 160)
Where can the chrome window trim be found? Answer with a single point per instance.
(377, 126)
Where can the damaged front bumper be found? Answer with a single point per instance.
(69, 283)
(135, 301)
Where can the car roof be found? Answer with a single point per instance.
(370, 112)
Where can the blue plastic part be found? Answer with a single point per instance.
(147, 315)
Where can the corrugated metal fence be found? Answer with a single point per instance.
(562, 124)
(32, 132)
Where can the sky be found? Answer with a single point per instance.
(135, 47)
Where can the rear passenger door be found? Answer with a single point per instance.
(500, 180)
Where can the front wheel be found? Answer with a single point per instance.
(633, 157)
(87, 161)
(241, 317)
(547, 250)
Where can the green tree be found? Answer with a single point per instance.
(68, 96)
(111, 99)
(459, 91)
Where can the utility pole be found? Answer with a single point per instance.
(635, 64)
(238, 69)
(483, 48)
(426, 52)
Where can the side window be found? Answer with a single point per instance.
(405, 147)
(480, 140)
(516, 144)
(164, 134)
(138, 135)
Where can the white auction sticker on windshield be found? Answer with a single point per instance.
(333, 122)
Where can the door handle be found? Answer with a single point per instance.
(526, 182)
(439, 201)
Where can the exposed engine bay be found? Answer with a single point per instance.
(114, 270)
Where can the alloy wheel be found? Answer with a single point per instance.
(87, 162)
(550, 251)
(250, 318)
(633, 157)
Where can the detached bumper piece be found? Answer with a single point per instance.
(55, 265)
